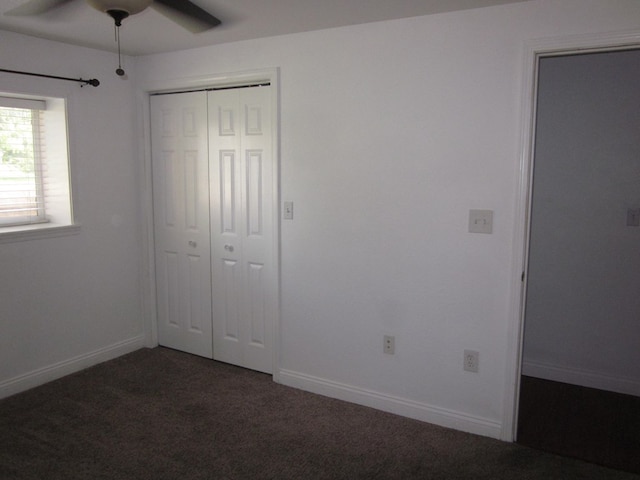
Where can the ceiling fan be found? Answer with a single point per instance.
(183, 12)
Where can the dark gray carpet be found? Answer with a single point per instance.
(160, 414)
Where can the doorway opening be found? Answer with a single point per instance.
(579, 386)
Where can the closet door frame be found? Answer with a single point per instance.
(270, 75)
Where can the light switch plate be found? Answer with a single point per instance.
(480, 221)
(288, 211)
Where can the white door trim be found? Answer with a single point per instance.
(271, 75)
(533, 51)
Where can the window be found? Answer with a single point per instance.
(20, 166)
(35, 191)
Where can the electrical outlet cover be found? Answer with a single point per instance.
(471, 361)
(389, 344)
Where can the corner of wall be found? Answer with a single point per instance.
(66, 367)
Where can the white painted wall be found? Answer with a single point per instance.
(71, 301)
(390, 133)
(583, 303)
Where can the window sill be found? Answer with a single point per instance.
(36, 232)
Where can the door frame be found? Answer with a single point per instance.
(234, 79)
(533, 51)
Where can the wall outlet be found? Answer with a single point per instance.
(471, 360)
(389, 344)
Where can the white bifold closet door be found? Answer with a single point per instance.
(213, 175)
(179, 143)
(244, 279)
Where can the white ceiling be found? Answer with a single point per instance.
(151, 32)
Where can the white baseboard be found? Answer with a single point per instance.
(583, 378)
(52, 372)
(388, 403)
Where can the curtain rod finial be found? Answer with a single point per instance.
(94, 82)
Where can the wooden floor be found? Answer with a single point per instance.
(594, 425)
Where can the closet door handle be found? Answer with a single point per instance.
(228, 248)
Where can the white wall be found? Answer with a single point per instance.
(390, 133)
(583, 303)
(71, 301)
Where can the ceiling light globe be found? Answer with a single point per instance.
(130, 6)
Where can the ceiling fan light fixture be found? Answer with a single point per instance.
(129, 6)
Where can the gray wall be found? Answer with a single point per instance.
(583, 303)
(69, 302)
(390, 133)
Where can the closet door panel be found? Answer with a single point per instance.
(179, 142)
(242, 226)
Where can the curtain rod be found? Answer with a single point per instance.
(93, 82)
(214, 89)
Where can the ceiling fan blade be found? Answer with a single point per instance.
(36, 7)
(186, 14)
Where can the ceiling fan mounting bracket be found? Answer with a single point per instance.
(131, 7)
(118, 16)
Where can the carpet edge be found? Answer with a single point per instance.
(392, 404)
(60, 369)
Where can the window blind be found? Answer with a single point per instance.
(24, 103)
(21, 172)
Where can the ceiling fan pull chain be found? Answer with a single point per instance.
(119, 70)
